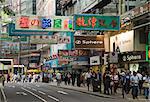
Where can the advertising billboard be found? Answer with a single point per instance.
(89, 42)
(52, 23)
(95, 60)
(122, 42)
(96, 22)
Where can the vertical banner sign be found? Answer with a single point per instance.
(52, 23)
(96, 22)
(148, 49)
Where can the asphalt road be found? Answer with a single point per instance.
(42, 92)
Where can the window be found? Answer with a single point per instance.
(130, 7)
(142, 36)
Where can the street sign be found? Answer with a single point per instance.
(13, 32)
(96, 22)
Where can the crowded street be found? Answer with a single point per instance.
(74, 50)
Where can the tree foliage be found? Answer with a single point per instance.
(8, 11)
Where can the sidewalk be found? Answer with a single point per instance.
(83, 89)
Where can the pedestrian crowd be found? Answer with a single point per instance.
(32, 77)
(134, 83)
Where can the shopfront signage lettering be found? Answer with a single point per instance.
(131, 57)
(53, 23)
(96, 22)
(89, 41)
(141, 10)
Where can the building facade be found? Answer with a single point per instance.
(46, 7)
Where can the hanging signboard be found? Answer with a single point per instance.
(52, 23)
(89, 42)
(96, 22)
(131, 56)
(95, 60)
(13, 32)
(145, 8)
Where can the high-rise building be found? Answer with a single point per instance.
(26, 7)
(46, 7)
(70, 7)
(119, 7)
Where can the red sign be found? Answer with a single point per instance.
(67, 53)
(24, 22)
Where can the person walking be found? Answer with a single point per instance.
(127, 83)
(140, 81)
(135, 85)
(58, 78)
(115, 79)
(69, 78)
(8, 78)
(146, 85)
(99, 80)
(73, 77)
(107, 83)
(88, 79)
(123, 83)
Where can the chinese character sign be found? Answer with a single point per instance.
(52, 23)
(96, 22)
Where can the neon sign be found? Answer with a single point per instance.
(96, 22)
(53, 23)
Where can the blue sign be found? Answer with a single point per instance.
(13, 32)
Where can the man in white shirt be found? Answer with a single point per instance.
(140, 80)
(135, 84)
(58, 77)
(88, 77)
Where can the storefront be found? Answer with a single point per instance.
(133, 61)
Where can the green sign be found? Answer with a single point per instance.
(96, 22)
(148, 49)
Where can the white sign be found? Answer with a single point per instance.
(113, 57)
(43, 39)
(122, 42)
(134, 67)
(95, 60)
(79, 63)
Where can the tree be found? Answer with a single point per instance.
(6, 9)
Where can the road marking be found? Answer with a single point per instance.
(11, 86)
(42, 92)
(21, 93)
(57, 100)
(4, 96)
(37, 85)
(34, 89)
(34, 95)
(62, 92)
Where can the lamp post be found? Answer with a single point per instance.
(19, 52)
